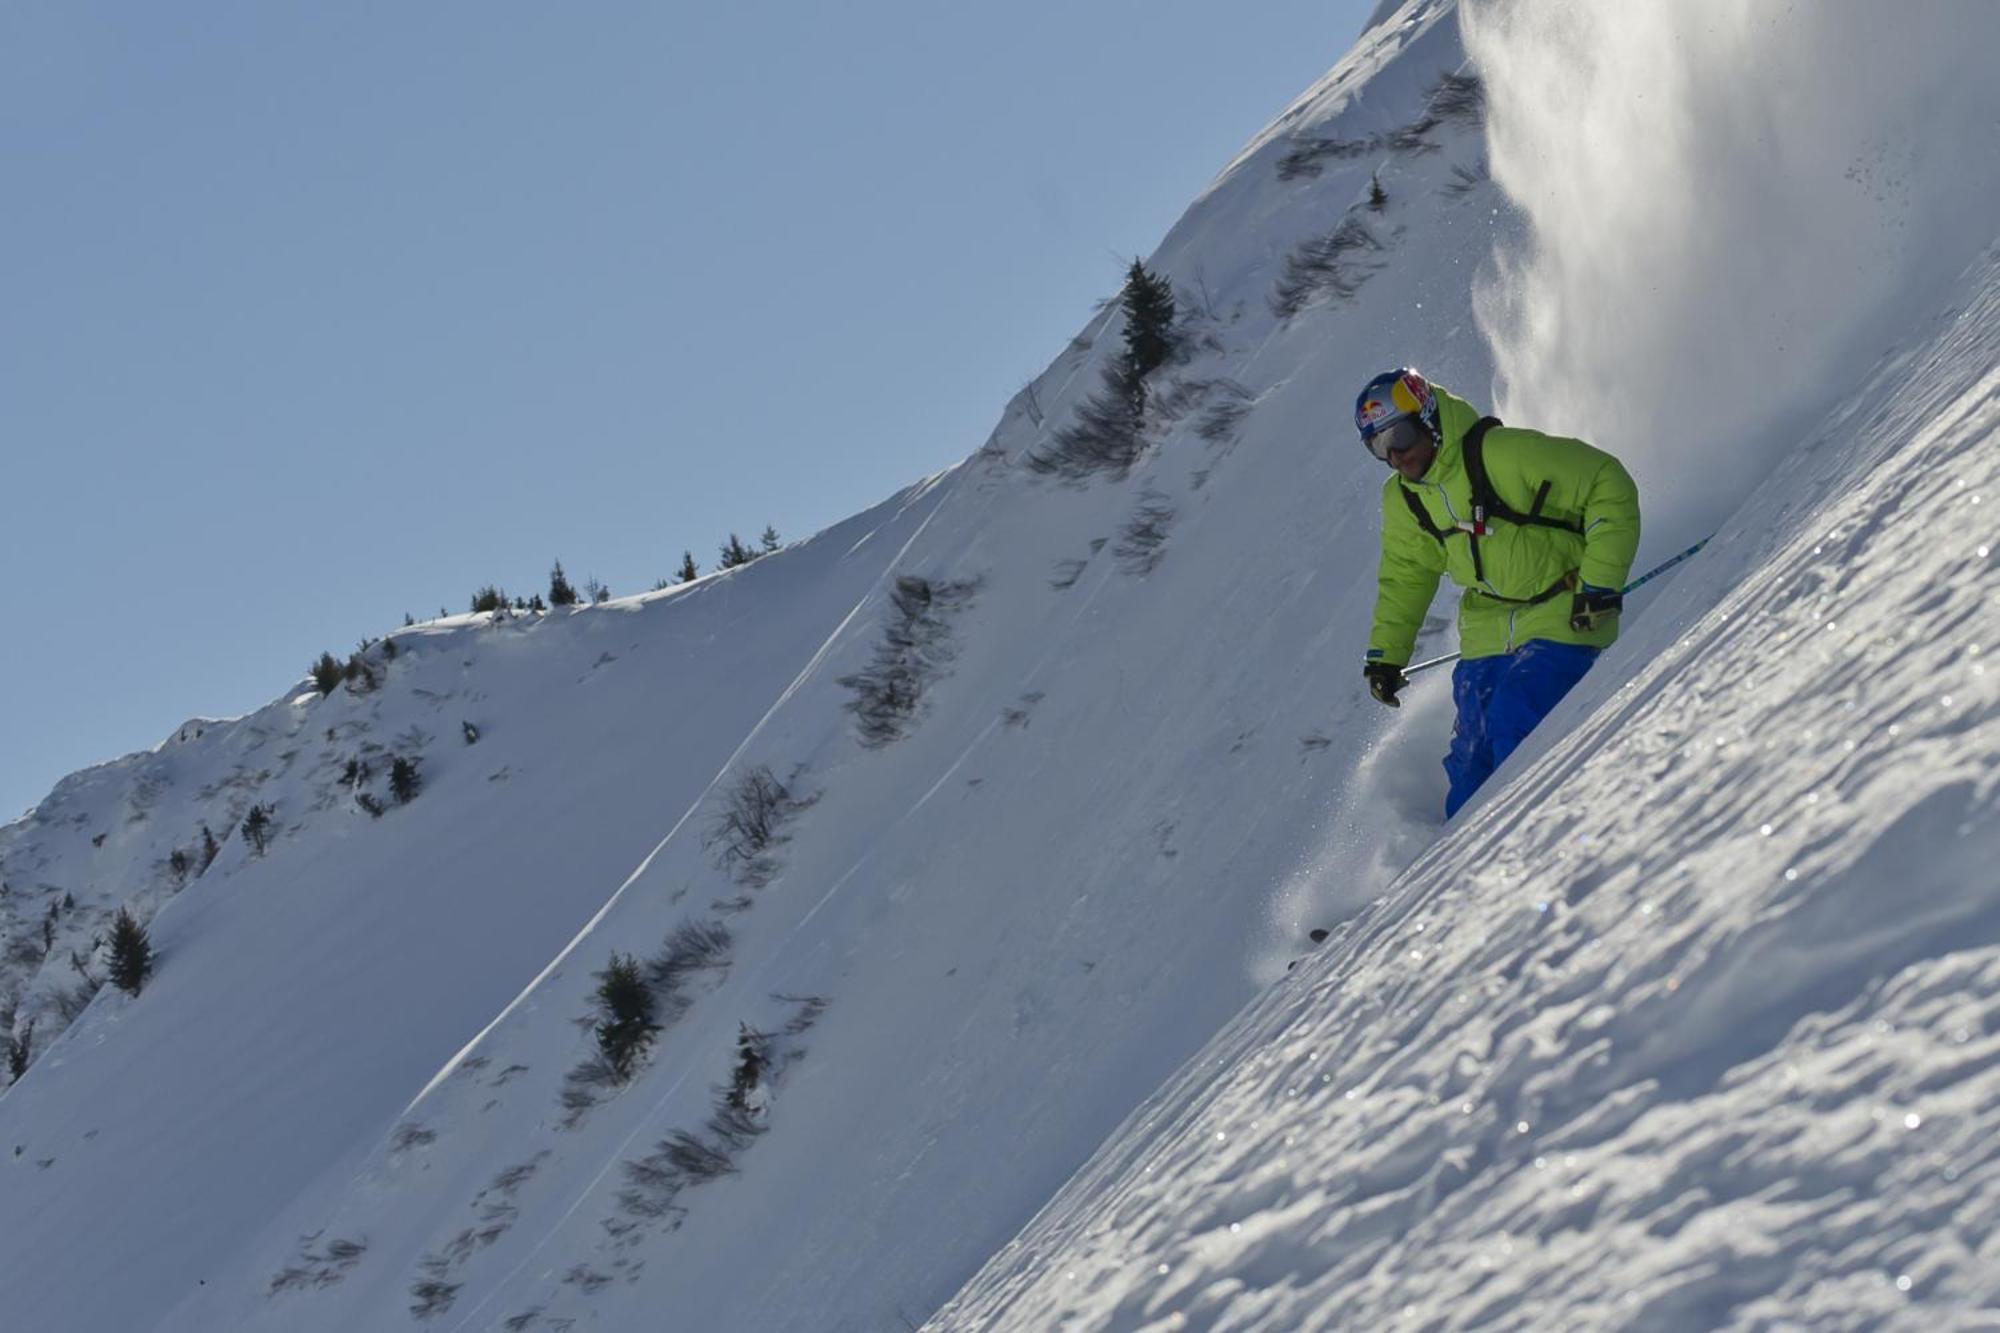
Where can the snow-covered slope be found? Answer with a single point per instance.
(1695, 1024)
(1139, 764)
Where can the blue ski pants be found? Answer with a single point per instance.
(1500, 699)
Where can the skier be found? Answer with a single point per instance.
(1539, 530)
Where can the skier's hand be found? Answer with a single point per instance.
(1592, 606)
(1384, 679)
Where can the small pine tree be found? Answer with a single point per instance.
(403, 780)
(688, 571)
(178, 865)
(257, 827)
(131, 954)
(210, 849)
(1148, 302)
(489, 598)
(561, 591)
(536, 603)
(18, 1049)
(735, 553)
(1378, 199)
(408, 620)
(769, 541)
(596, 591)
(626, 1004)
(327, 673)
(389, 650)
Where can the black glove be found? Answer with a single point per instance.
(1384, 679)
(1592, 606)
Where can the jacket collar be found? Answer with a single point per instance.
(1455, 417)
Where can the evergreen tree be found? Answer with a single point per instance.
(625, 1002)
(735, 553)
(18, 1049)
(210, 848)
(131, 954)
(688, 571)
(489, 598)
(561, 592)
(1378, 199)
(403, 780)
(327, 673)
(257, 827)
(1148, 302)
(597, 592)
(769, 540)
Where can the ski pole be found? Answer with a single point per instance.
(1646, 577)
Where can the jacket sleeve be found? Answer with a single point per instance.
(1591, 485)
(1405, 581)
(1610, 524)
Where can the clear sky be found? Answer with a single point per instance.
(315, 315)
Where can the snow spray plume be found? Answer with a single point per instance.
(1732, 208)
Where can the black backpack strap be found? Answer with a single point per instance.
(1421, 514)
(1486, 502)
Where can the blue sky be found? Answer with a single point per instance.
(321, 314)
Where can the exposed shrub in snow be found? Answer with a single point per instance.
(131, 954)
(625, 1007)
(327, 673)
(1464, 180)
(359, 673)
(210, 849)
(1307, 155)
(1325, 266)
(1457, 97)
(735, 553)
(488, 598)
(561, 591)
(753, 1057)
(321, 1267)
(470, 732)
(69, 1002)
(1105, 436)
(403, 780)
(748, 827)
(431, 1297)
(595, 591)
(1141, 542)
(690, 948)
(916, 646)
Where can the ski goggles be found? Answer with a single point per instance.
(1392, 437)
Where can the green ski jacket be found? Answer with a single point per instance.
(1530, 572)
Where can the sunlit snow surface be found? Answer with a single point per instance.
(1654, 955)
(1696, 1024)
